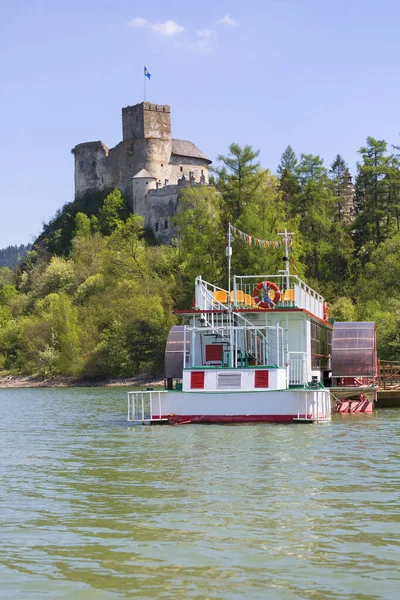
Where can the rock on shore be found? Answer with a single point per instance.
(19, 381)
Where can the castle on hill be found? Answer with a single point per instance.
(149, 167)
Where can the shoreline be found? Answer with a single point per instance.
(20, 381)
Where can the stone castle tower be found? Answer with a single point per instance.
(149, 167)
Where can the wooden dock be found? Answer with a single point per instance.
(389, 384)
(388, 399)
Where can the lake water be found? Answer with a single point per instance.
(93, 508)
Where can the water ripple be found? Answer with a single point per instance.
(93, 509)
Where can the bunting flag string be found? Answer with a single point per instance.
(253, 241)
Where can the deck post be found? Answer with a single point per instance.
(277, 345)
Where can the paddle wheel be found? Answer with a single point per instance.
(354, 367)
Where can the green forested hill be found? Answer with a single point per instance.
(95, 295)
(12, 255)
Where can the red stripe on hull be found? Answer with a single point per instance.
(188, 419)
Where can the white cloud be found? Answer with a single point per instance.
(205, 42)
(205, 33)
(227, 20)
(168, 29)
(138, 22)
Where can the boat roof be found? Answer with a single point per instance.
(198, 311)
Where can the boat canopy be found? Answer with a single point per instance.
(354, 349)
(174, 352)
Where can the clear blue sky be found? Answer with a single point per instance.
(318, 75)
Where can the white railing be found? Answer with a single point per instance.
(205, 296)
(145, 407)
(313, 405)
(223, 324)
(234, 329)
(297, 367)
(262, 344)
(293, 290)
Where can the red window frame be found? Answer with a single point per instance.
(261, 379)
(197, 380)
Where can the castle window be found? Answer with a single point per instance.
(156, 227)
(181, 169)
(137, 183)
(137, 119)
(165, 224)
(81, 164)
(162, 165)
(147, 182)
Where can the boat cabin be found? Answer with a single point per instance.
(268, 332)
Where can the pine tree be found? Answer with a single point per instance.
(343, 189)
(238, 178)
(288, 162)
(288, 183)
(372, 191)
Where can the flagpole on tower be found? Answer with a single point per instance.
(148, 75)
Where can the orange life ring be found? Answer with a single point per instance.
(269, 285)
(326, 311)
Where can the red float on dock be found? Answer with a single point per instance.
(354, 405)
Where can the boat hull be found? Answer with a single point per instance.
(275, 406)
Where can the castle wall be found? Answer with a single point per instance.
(98, 168)
(132, 123)
(146, 120)
(140, 189)
(182, 165)
(157, 121)
(146, 144)
(131, 156)
(91, 171)
(161, 207)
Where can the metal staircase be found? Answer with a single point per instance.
(236, 330)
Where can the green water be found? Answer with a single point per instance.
(92, 508)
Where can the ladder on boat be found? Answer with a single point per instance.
(146, 407)
(251, 340)
(313, 406)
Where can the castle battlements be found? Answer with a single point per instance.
(141, 164)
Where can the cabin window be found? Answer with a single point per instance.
(214, 353)
(321, 345)
(261, 379)
(226, 381)
(197, 380)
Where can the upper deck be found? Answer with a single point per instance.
(293, 294)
